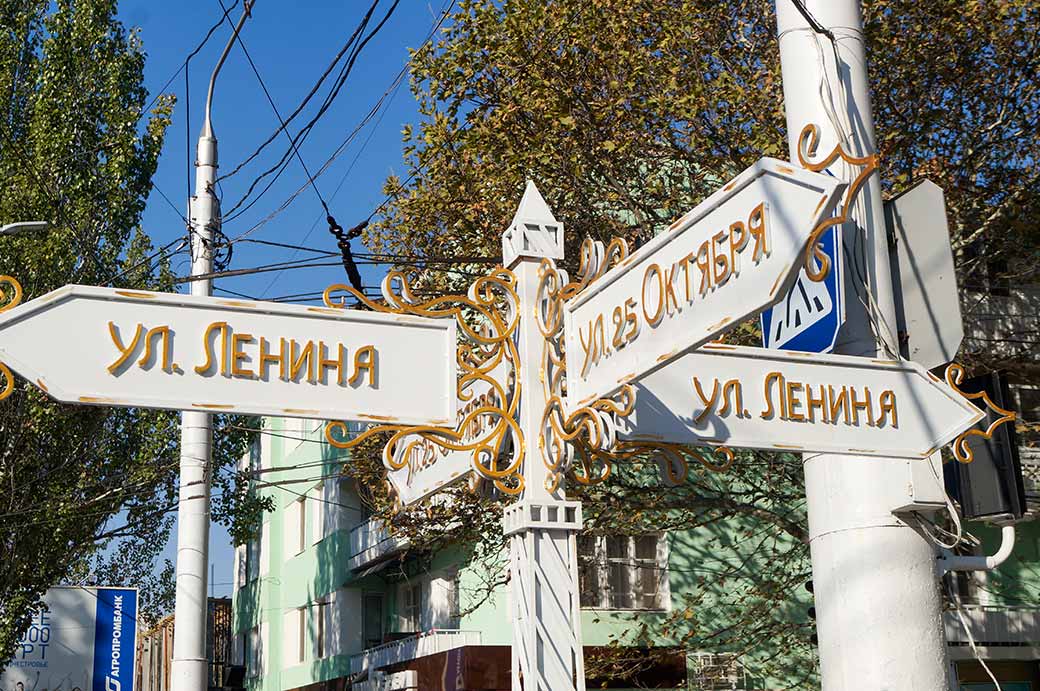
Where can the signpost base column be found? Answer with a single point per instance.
(546, 611)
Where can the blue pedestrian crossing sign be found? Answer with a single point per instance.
(811, 315)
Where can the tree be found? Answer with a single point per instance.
(628, 113)
(85, 492)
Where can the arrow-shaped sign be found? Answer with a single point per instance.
(732, 256)
(794, 401)
(106, 346)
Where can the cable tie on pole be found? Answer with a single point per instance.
(347, 257)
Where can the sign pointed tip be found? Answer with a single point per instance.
(533, 207)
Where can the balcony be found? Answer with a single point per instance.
(371, 543)
(716, 671)
(994, 625)
(1004, 325)
(419, 645)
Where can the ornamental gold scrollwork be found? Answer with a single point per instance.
(12, 296)
(487, 319)
(961, 450)
(584, 444)
(808, 140)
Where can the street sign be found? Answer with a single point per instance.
(106, 346)
(426, 467)
(928, 305)
(811, 314)
(731, 256)
(793, 401)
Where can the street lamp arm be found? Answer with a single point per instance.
(957, 562)
(22, 227)
(207, 128)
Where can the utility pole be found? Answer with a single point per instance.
(190, 667)
(875, 577)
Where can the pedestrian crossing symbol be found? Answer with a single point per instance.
(809, 318)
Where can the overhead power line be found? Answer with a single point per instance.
(306, 99)
(301, 136)
(367, 259)
(281, 122)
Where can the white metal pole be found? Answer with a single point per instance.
(875, 578)
(189, 670)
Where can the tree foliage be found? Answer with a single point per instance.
(85, 492)
(626, 114)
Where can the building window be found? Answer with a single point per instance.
(295, 527)
(455, 609)
(623, 571)
(301, 633)
(411, 606)
(318, 508)
(253, 653)
(252, 560)
(319, 611)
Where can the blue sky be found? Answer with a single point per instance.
(291, 44)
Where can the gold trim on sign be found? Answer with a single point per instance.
(961, 451)
(16, 298)
(583, 445)
(487, 319)
(808, 140)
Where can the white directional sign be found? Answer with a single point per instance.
(106, 346)
(430, 467)
(733, 255)
(796, 401)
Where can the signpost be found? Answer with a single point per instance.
(793, 401)
(485, 405)
(644, 325)
(731, 256)
(105, 346)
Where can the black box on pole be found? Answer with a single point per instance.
(991, 486)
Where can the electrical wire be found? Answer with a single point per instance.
(388, 93)
(307, 98)
(241, 207)
(148, 260)
(270, 100)
(236, 294)
(256, 270)
(971, 639)
(301, 248)
(816, 26)
(346, 173)
(169, 203)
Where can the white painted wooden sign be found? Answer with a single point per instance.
(106, 346)
(732, 256)
(794, 401)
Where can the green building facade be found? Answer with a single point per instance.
(317, 604)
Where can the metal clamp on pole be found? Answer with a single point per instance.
(959, 562)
